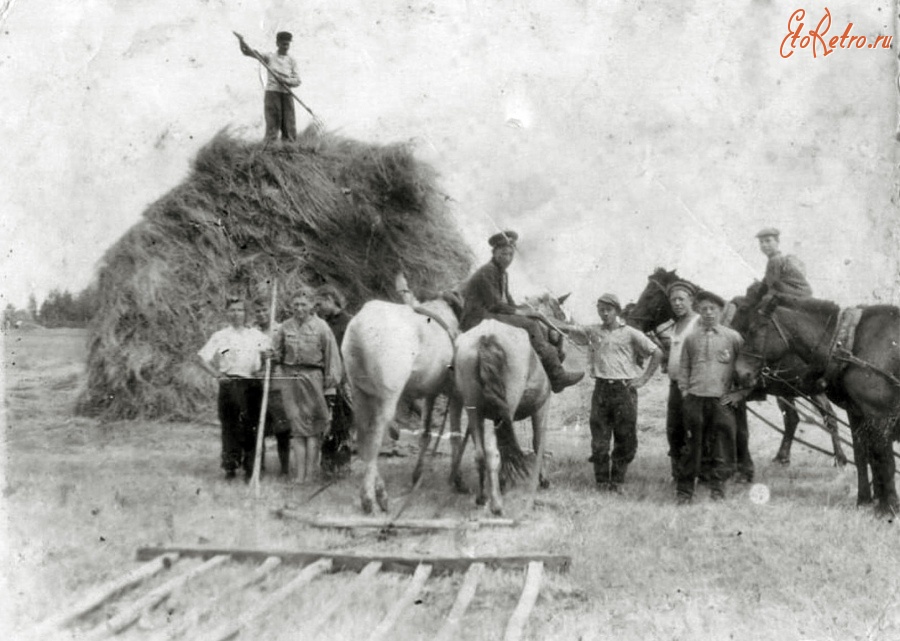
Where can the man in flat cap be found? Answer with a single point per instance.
(486, 295)
(615, 350)
(681, 300)
(785, 273)
(282, 75)
(705, 377)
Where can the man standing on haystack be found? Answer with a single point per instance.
(486, 295)
(785, 273)
(234, 357)
(282, 75)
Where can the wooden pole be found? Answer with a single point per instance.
(412, 591)
(450, 630)
(200, 613)
(311, 630)
(101, 594)
(306, 575)
(261, 430)
(362, 522)
(150, 600)
(516, 626)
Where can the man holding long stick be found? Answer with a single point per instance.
(282, 75)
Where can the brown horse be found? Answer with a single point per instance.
(499, 378)
(652, 310)
(864, 378)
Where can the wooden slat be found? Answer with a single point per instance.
(103, 593)
(361, 522)
(516, 626)
(194, 616)
(306, 575)
(412, 591)
(450, 630)
(150, 600)
(355, 563)
(312, 628)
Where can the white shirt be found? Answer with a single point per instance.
(236, 352)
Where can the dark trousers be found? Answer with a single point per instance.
(280, 116)
(336, 444)
(613, 419)
(277, 425)
(239, 405)
(675, 425)
(710, 427)
(551, 356)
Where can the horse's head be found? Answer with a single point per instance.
(549, 305)
(454, 300)
(652, 308)
(765, 340)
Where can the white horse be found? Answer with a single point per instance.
(499, 377)
(391, 352)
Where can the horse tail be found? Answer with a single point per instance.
(491, 373)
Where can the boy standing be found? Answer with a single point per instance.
(282, 75)
(706, 370)
(615, 348)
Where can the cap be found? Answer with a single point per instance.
(704, 295)
(506, 238)
(681, 284)
(283, 36)
(610, 299)
(768, 231)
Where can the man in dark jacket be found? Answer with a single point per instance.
(785, 273)
(336, 444)
(487, 295)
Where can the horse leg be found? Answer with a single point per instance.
(828, 418)
(476, 426)
(371, 416)
(878, 433)
(424, 438)
(791, 419)
(861, 454)
(457, 444)
(492, 460)
(539, 426)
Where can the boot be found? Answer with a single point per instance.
(560, 379)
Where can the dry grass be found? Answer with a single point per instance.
(805, 565)
(323, 209)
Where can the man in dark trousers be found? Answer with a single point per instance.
(486, 295)
(336, 444)
(282, 75)
(705, 378)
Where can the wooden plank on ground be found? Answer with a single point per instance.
(409, 595)
(150, 600)
(306, 575)
(450, 630)
(355, 563)
(96, 597)
(195, 615)
(516, 626)
(361, 522)
(312, 628)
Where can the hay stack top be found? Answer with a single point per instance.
(322, 210)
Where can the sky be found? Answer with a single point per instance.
(615, 137)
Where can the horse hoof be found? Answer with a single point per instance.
(480, 501)
(367, 505)
(381, 497)
(497, 511)
(544, 483)
(781, 460)
(459, 486)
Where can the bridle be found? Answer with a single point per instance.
(765, 371)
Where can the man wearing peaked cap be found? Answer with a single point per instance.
(785, 273)
(681, 300)
(615, 348)
(486, 295)
(705, 378)
(278, 104)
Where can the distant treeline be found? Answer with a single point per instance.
(60, 309)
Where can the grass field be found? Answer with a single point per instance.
(80, 497)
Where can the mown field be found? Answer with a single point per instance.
(80, 497)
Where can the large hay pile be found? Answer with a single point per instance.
(321, 210)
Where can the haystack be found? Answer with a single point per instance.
(325, 209)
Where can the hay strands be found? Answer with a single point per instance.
(275, 75)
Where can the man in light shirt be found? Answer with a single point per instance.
(681, 299)
(704, 378)
(278, 102)
(615, 348)
(233, 356)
